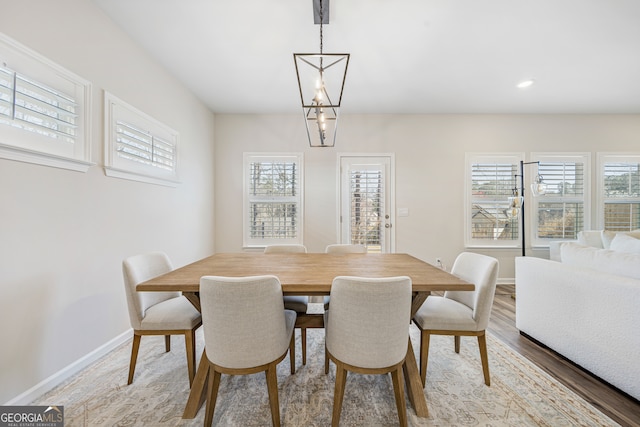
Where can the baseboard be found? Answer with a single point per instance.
(506, 281)
(70, 370)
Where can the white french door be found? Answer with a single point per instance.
(366, 201)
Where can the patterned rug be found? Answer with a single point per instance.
(520, 394)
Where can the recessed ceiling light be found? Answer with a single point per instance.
(525, 84)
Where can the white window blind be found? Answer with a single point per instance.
(490, 182)
(44, 110)
(273, 199)
(34, 107)
(562, 211)
(620, 184)
(137, 146)
(366, 190)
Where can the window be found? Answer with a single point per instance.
(44, 110)
(619, 191)
(490, 180)
(273, 199)
(138, 147)
(563, 210)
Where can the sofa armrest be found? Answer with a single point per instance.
(586, 315)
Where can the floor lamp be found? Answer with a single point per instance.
(516, 202)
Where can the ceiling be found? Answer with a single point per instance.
(407, 56)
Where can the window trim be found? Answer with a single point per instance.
(117, 110)
(249, 157)
(471, 158)
(22, 145)
(609, 157)
(531, 202)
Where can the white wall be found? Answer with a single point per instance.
(430, 159)
(64, 234)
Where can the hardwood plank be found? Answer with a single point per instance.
(620, 407)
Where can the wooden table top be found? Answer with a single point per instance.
(307, 274)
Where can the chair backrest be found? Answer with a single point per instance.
(346, 248)
(140, 268)
(368, 320)
(482, 271)
(243, 320)
(272, 249)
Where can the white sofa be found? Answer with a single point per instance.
(587, 305)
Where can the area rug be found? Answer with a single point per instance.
(520, 394)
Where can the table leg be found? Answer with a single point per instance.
(410, 367)
(198, 393)
(194, 298)
(414, 383)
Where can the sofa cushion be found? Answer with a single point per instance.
(605, 260)
(625, 243)
(591, 238)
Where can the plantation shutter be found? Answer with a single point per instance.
(366, 189)
(560, 210)
(491, 186)
(32, 106)
(139, 145)
(621, 196)
(273, 200)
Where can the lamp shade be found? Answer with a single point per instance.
(539, 187)
(321, 78)
(515, 204)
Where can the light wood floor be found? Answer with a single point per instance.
(618, 406)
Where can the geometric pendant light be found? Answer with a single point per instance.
(321, 78)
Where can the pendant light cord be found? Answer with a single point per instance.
(321, 21)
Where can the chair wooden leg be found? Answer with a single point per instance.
(303, 334)
(326, 360)
(272, 387)
(190, 344)
(424, 356)
(338, 394)
(134, 356)
(212, 395)
(398, 391)
(167, 343)
(292, 353)
(456, 341)
(482, 344)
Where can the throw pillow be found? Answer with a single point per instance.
(604, 260)
(625, 243)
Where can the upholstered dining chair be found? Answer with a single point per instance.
(342, 248)
(367, 332)
(158, 313)
(240, 341)
(297, 303)
(345, 248)
(460, 313)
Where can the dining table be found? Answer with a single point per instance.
(310, 274)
